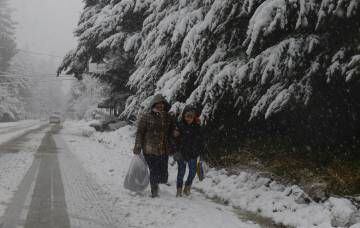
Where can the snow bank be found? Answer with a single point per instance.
(18, 123)
(112, 139)
(9, 131)
(287, 205)
(284, 204)
(108, 163)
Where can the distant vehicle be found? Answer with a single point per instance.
(55, 119)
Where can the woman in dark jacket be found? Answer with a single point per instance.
(153, 139)
(189, 146)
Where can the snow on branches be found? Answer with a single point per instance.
(260, 57)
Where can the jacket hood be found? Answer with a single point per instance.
(187, 108)
(158, 98)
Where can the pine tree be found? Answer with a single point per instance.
(7, 36)
(109, 34)
(10, 107)
(288, 67)
(82, 101)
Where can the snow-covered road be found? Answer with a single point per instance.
(17, 150)
(12, 130)
(73, 177)
(52, 178)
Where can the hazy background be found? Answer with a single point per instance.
(46, 28)
(46, 25)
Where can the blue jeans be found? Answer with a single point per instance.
(181, 172)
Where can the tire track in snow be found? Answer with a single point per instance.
(20, 150)
(18, 138)
(48, 206)
(88, 205)
(10, 129)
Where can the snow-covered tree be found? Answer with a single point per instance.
(84, 97)
(27, 83)
(284, 66)
(109, 34)
(31, 89)
(7, 35)
(10, 106)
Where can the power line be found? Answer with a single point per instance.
(49, 80)
(40, 53)
(14, 83)
(7, 72)
(21, 75)
(44, 79)
(36, 77)
(35, 52)
(53, 80)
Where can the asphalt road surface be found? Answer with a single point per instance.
(57, 192)
(40, 200)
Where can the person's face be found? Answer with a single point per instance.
(160, 107)
(189, 117)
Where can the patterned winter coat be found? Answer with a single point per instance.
(154, 130)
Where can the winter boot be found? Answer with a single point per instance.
(154, 191)
(187, 190)
(179, 192)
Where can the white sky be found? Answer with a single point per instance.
(46, 25)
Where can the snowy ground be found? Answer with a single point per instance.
(93, 166)
(12, 130)
(17, 124)
(13, 166)
(107, 156)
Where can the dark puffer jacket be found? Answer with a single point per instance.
(190, 143)
(154, 130)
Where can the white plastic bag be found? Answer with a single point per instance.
(201, 169)
(138, 177)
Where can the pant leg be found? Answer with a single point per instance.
(164, 169)
(154, 168)
(181, 173)
(192, 172)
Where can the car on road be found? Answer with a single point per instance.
(55, 119)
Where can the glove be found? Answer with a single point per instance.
(137, 150)
(178, 156)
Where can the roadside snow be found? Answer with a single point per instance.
(18, 123)
(9, 131)
(13, 167)
(107, 156)
(283, 204)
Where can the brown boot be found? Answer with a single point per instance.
(187, 190)
(179, 192)
(154, 191)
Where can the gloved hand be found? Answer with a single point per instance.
(178, 156)
(137, 150)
